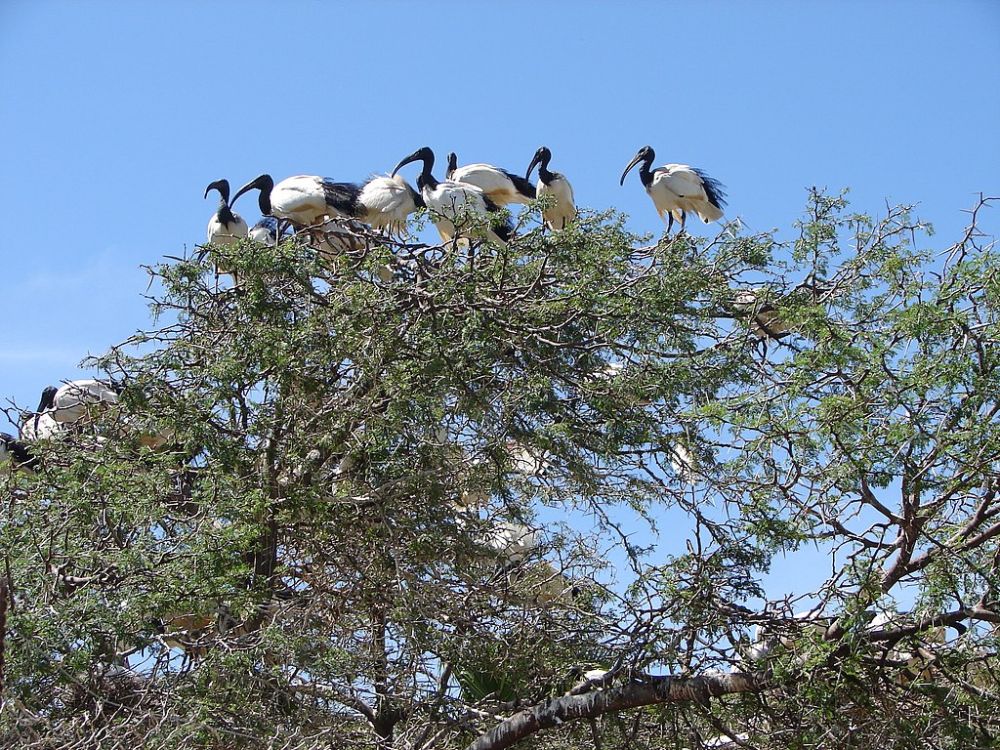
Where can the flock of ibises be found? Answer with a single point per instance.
(472, 191)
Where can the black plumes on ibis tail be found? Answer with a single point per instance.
(713, 189)
(521, 185)
(18, 451)
(504, 231)
(343, 196)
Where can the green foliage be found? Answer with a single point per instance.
(331, 544)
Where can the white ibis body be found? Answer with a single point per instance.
(73, 399)
(383, 202)
(303, 200)
(513, 541)
(40, 426)
(451, 202)
(676, 189)
(225, 227)
(499, 185)
(563, 208)
(386, 202)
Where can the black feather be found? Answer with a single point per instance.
(521, 185)
(19, 451)
(713, 189)
(343, 196)
(48, 397)
(505, 230)
(226, 217)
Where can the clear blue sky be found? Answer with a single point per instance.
(114, 117)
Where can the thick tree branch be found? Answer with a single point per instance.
(646, 692)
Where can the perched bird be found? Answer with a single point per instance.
(676, 189)
(513, 541)
(225, 227)
(766, 323)
(74, 398)
(449, 200)
(17, 452)
(563, 209)
(265, 231)
(40, 426)
(499, 185)
(303, 200)
(386, 202)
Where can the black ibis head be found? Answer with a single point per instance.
(48, 398)
(541, 158)
(427, 157)
(645, 154)
(421, 154)
(264, 183)
(222, 186)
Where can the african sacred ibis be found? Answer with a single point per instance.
(448, 199)
(74, 398)
(265, 231)
(555, 185)
(302, 200)
(513, 541)
(18, 453)
(382, 202)
(386, 202)
(225, 227)
(40, 424)
(676, 189)
(499, 185)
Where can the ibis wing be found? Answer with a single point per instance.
(501, 186)
(342, 196)
(683, 181)
(301, 198)
(387, 201)
(523, 186)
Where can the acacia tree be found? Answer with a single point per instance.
(428, 497)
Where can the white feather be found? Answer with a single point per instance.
(514, 541)
(220, 233)
(450, 201)
(387, 202)
(497, 186)
(41, 427)
(73, 399)
(563, 209)
(676, 188)
(300, 199)
(336, 237)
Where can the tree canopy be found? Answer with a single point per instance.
(443, 497)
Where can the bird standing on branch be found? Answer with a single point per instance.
(676, 189)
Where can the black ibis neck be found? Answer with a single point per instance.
(544, 174)
(226, 214)
(426, 179)
(264, 201)
(48, 397)
(645, 173)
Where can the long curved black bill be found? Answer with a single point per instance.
(636, 160)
